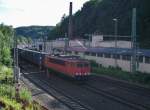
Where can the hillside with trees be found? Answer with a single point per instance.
(33, 32)
(10, 99)
(6, 43)
(96, 16)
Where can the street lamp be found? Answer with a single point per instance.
(115, 30)
(89, 38)
(115, 34)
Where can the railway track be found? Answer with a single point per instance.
(127, 94)
(116, 98)
(67, 100)
(62, 97)
(137, 89)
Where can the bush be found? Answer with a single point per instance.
(7, 90)
(140, 78)
(6, 74)
(34, 106)
(10, 104)
(25, 95)
(93, 63)
(6, 57)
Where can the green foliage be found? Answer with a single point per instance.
(6, 74)
(6, 35)
(6, 42)
(10, 104)
(96, 16)
(7, 90)
(34, 106)
(29, 40)
(25, 95)
(6, 57)
(34, 32)
(140, 78)
(93, 63)
(23, 40)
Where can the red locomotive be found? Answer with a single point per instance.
(72, 66)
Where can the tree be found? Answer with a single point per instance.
(6, 43)
(98, 15)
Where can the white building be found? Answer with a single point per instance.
(114, 57)
(108, 41)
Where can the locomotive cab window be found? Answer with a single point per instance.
(80, 65)
(72, 64)
(86, 65)
(147, 60)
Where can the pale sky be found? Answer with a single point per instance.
(35, 12)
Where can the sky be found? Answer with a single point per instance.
(35, 12)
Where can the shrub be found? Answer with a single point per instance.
(25, 95)
(93, 63)
(6, 74)
(141, 78)
(7, 90)
(10, 104)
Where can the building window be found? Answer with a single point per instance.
(126, 57)
(86, 65)
(100, 55)
(80, 65)
(76, 53)
(140, 59)
(116, 56)
(69, 52)
(106, 55)
(72, 64)
(147, 59)
(93, 54)
(87, 53)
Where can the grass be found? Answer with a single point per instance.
(8, 93)
(7, 90)
(10, 104)
(6, 74)
(138, 77)
(25, 95)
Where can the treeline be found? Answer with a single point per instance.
(7, 34)
(33, 32)
(23, 40)
(6, 43)
(96, 16)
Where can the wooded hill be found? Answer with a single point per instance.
(96, 16)
(33, 31)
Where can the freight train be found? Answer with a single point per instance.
(71, 66)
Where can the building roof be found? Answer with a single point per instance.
(70, 58)
(122, 51)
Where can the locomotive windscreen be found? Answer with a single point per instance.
(80, 65)
(57, 61)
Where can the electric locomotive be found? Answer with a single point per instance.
(71, 66)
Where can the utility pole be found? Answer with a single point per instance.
(70, 27)
(116, 35)
(16, 68)
(45, 39)
(66, 43)
(90, 39)
(134, 44)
